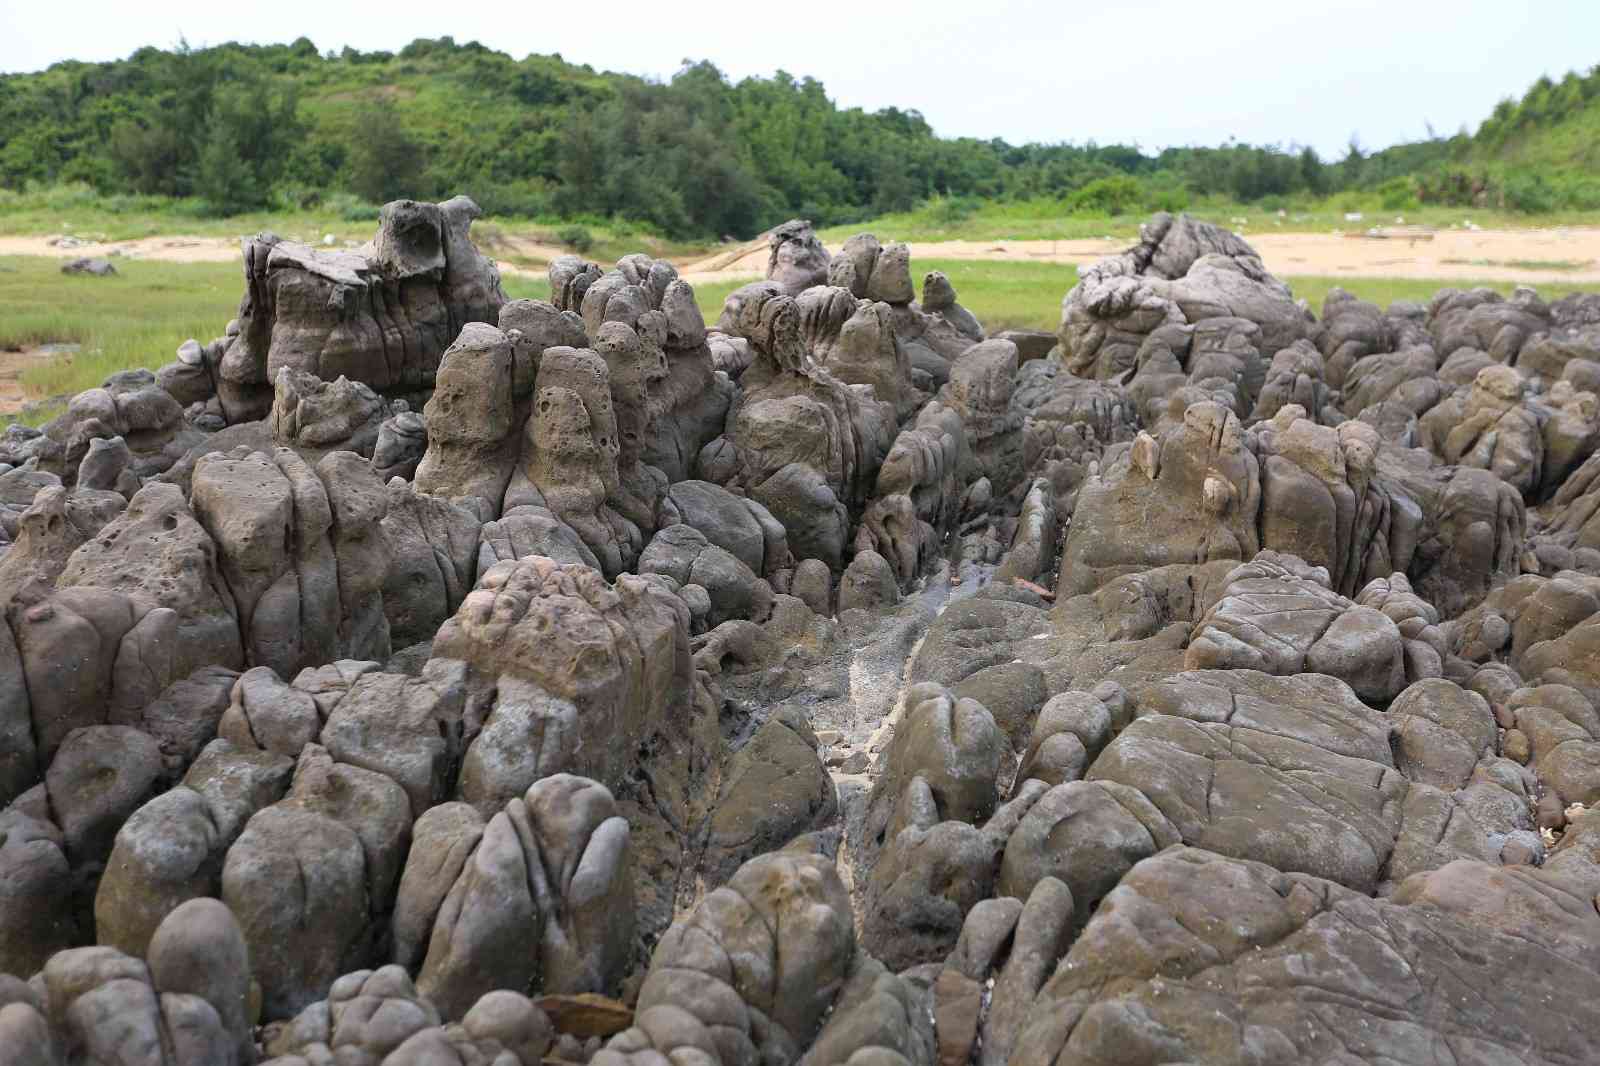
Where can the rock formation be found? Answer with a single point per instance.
(416, 676)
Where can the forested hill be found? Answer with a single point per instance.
(241, 126)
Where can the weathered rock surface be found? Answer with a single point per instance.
(415, 676)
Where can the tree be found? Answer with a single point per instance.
(224, 178)
(1312, 173)
(149, 158)
(385, 162)
(1354, 162)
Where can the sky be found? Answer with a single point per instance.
(1151, 72)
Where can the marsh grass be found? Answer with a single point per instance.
(136, 318)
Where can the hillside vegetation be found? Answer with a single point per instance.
(240, 129)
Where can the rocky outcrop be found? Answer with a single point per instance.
(932, 334)
(766, 967)
(1181, 272)
(800, 442)
(132, 405)
(687, 398)
(376, 1017)
(543, 897)
(796, 259)
(184, 1004)
(381, 315)
(1336, 498)
(1221, 687)
(1159, 934)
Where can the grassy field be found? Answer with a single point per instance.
(79, 211)
(139, 317)
(1048, 220)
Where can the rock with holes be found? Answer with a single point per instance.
(471, 446)
(570, 449)
(49, 529)
(313, 414)
(160, 552)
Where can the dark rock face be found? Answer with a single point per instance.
(415, 676)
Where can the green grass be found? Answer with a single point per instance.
(139, 317)
(78, 210)
(1524, 264)
(1022, 295)
(1385, 291)
(1051, 220)
(136, 319)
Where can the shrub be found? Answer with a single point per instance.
(949, 210)
(1107, 196)
(578, 238)
(1529, 193)
(1398, 194)
(1454, 186)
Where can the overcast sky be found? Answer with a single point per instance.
(1154, 72)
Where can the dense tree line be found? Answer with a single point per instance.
(241, 126)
